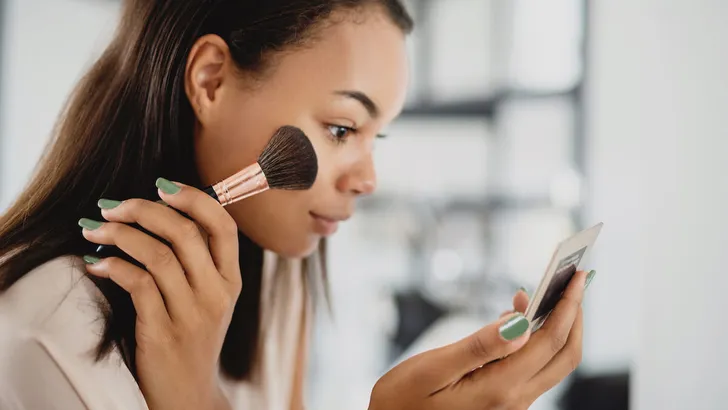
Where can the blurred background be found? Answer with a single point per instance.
(527, 121)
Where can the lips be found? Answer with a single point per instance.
(326, 225)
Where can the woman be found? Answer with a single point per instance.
(191, 91)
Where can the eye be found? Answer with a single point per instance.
(339, 132)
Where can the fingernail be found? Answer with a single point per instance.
(522, 289)
(91, 259)
(89, 224)
(168, 187)
(589, 278)
(108, 203)
(514, 328)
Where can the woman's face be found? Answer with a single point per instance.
(341, 91)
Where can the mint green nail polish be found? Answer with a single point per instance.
(89, 224)
(91, 259)
(523, 290)
(167, 187)
(589, 278)
(108, 203)
(514, 327)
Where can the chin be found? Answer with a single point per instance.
(295, 249)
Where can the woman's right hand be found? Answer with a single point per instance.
(467, 374)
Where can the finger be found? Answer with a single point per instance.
(157, 258)
(520, 301)
(140, 285)
(563, 364)
(181, 233)
(507, 313)
(550, 339)
(214, 219)
(492, 342)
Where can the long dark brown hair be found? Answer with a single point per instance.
(129, 122)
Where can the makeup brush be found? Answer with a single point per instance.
(288, 162)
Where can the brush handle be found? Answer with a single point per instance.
(107, 251)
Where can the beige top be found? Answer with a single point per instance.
(49, 327)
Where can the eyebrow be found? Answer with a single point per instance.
(364, 99)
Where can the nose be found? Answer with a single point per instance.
(361, 179)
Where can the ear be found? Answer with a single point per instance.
(208, 63)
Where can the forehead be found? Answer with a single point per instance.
(365, 53)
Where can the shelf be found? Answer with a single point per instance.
(489, 203)
(481, 108)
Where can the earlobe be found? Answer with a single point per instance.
(205, 72)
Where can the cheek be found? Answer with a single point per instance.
(231, 140)
(335, 161)
(278, 221)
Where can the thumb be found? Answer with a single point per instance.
(493, 342)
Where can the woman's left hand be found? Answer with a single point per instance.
(184, 297)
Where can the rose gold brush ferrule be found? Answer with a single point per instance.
(246, 183)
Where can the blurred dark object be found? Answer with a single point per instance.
(415, 314)
(597, 392)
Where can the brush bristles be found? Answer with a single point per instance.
(289, 160)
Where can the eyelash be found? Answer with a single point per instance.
(335, 137)
(349, 130)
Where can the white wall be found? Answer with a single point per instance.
(658, 159)
(46, 46)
